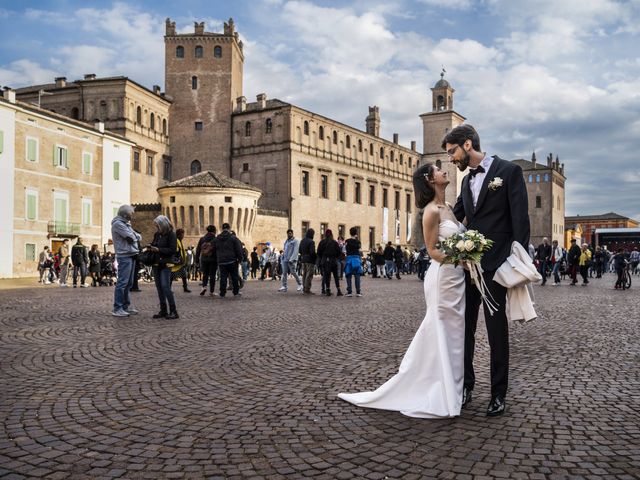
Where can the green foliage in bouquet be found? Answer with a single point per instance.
(468, 246)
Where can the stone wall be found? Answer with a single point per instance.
(271, 226)
(143, 221)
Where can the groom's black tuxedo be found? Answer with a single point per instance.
(501, 214)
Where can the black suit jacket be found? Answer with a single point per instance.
(501, 215)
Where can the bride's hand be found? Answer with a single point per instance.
(465, 265)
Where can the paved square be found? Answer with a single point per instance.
(247, 388)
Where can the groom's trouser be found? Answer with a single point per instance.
(497, 332)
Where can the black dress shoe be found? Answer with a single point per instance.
(497, 406)
(467, 396)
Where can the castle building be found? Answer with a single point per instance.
(59, 178)
(545, 188)
(126, 108)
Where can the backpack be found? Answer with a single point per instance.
(206, 250)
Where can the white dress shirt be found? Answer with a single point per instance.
(475, 183)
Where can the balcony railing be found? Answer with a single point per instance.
(63, 229)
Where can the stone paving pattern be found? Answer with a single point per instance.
(246, 388)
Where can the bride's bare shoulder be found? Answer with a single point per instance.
(431, 212)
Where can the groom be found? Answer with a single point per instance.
(494, 202)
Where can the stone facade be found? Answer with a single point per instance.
(126, 108)
(60, 178)
(545, 189)
(203, 75)
(271, 227)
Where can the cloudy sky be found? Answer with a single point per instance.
(536, 75)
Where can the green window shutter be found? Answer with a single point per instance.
(65, 158)
(55, 156)
(116, 170)
(31, 207)
(31, 150)
(1, 141)
(86, 163)
(86, 214)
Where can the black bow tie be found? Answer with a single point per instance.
(474, 172)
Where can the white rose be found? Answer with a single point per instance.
(498, 181)
(469, 245)
(483, 242)
(460, 245)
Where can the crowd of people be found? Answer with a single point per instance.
(222, 257)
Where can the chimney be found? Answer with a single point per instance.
(61, 82)
(373, 121)
(170, 27)
(395, 138)
(533, 159)
(9, 94)
(199, 28)
(89, 76)
(262, 100)
(413, 145)
(241, 104)
(156, 89)
(99, 126)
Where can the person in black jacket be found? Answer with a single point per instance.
(389, 263)
(165, 243)
(255, 262)
(543, 254)
(207, 260)
(573, 259)
(308, 258)
(398, 257)
(329, 253)
(229, 255)
(80, 260)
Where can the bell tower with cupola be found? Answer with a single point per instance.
(435, 124)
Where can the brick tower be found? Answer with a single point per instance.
(435, 125)
(203, 77)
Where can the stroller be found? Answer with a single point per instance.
(107, 272)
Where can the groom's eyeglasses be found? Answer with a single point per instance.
(452, 151)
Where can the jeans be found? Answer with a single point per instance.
(357, 280)
(307, 276)
(126, 271)
(245, 270)
(543, 271)
(229, 270)
(556, 272)
(290, 267)
(82, 270)
(162, 277)
(389, 267)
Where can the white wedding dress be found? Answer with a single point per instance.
(429, 381)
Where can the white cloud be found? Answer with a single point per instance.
(25, 72)
(449, 4)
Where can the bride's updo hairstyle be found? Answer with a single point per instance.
(423, 190)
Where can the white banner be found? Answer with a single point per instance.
(409, 225)
(397, 227)
(385, 225)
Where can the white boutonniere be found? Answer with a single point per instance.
(495, 184)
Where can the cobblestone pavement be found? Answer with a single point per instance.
(246, 388)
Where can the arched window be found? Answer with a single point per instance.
(194, 82)
(348, 141)
(217, 51)
(164, 126)
(335, 137)
(359, 145)
(75, 113)
(247, 129)
(268, 126)
(139, 115)
(306, 127)
(546, 177)
(199, 51)
(196, 167)
(371, 149)
(103, 110)
(381, 153)
(152, 122)
(439, 163)
(180, 51)
(538, 178)
(321, 133)
(392, 155)
(401, 159)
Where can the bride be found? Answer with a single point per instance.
(429, 381)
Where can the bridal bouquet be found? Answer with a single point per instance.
(469, 247)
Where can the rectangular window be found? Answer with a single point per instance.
(323, 228)
(305, 228)
(372, 237)
(60, 156)
(357, 194)
(198, 126)
(342, 189)
(32, 149)
(31, 204)
(61, 207)
(397, 200)
(86, 211)
(166, 172)
(324, 186)
(149, 164)
(136, 161)
(245, 167)
(341, 230)
(408, 203)
(372, 195)
(30, 252)
(385, 198)
(538, 201)
(116, 170)
(305, 183)
(86, 163)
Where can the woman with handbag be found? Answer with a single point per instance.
(164, 244)
(179, 270)
(94, 265)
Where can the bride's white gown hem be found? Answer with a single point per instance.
(430, 377)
